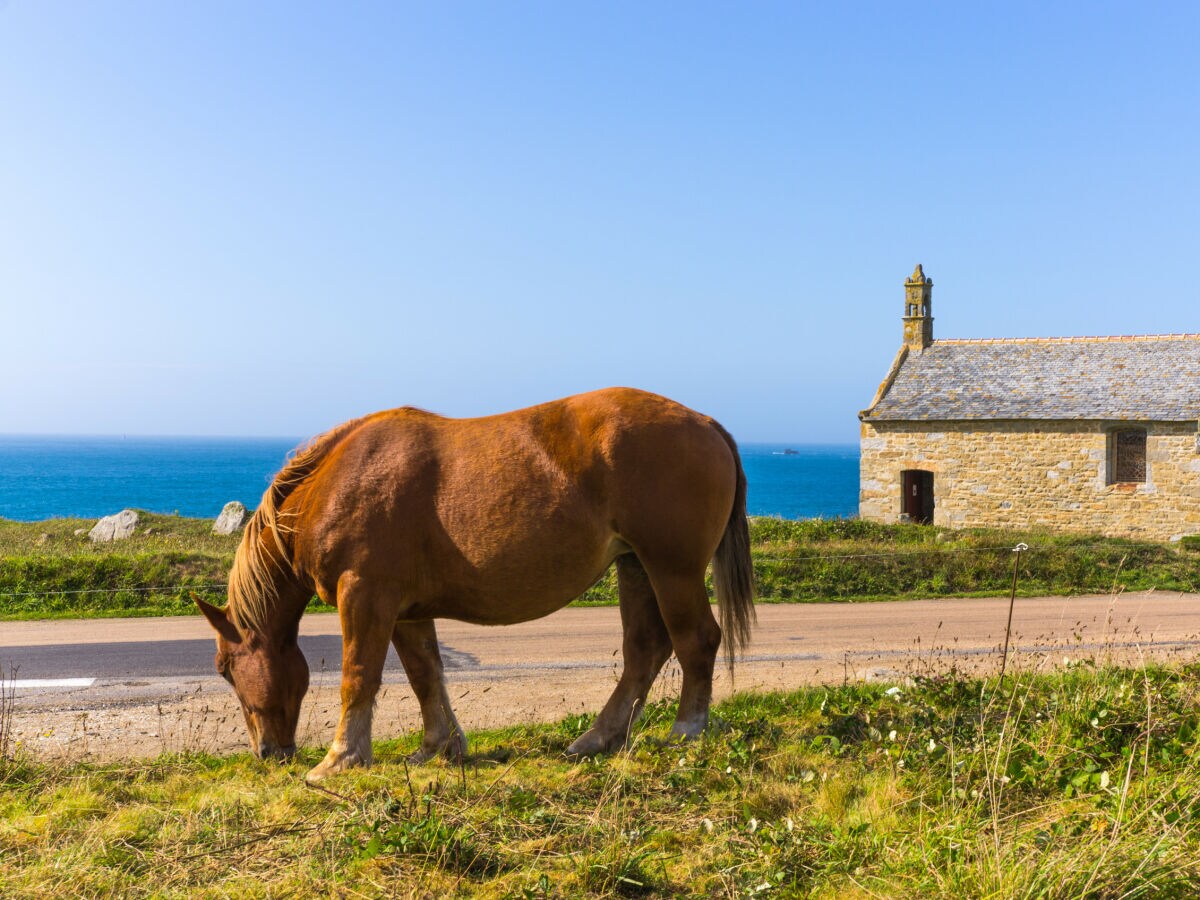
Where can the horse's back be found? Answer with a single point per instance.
(533, 503)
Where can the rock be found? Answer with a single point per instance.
(233, 516)
(80, 531)
(43, 537)
(885, 675)
(114, 528)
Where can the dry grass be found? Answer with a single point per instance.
(1084, 783)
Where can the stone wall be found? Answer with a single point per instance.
(1028, 474)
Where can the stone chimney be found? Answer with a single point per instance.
(918, 310)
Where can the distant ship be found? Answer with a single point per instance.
(788, 452)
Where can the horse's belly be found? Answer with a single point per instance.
(522, 586)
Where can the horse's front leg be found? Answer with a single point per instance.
(367, 621)
(417, 645)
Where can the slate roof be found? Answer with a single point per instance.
(1151, 377)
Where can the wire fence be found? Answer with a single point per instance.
(174, 588)
(161, 588)
(928, 553)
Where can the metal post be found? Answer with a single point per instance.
(1012, 600)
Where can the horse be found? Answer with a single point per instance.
(403, 517)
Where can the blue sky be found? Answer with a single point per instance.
(255, 218)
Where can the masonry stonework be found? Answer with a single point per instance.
(1021, 432)
(1035, 474)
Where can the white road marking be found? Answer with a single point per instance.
(47, 682)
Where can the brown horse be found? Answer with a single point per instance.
(403, 516)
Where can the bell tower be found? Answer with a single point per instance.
(918, 310)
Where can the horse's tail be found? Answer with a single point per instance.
(733, 570)
(264, 555)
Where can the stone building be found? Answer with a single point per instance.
(1089, 434)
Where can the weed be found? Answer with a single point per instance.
(65, 575)
(1077, 783)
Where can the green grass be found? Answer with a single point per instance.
(48, 571)
(850, 559)
(1084, 783)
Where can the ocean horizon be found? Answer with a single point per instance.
(43, 477)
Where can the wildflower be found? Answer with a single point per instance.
(707, 825)
(893, 691)
(753, 827)
(932, 745)
(1103, 781)
(892, 735)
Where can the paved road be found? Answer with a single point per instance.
(148, 684)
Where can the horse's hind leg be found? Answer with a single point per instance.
(695, 635)
(366, 625)
(646, 646)
(417, 645)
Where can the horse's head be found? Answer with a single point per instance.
(269, 677)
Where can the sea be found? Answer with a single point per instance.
(88, 477)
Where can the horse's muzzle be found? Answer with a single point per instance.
(270, 751)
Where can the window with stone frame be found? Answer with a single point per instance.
(1127, 456)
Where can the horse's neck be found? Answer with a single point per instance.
(290, 601)
(283, 593)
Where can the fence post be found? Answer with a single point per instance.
(1012, 600)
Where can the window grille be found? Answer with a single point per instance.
(1128, 456)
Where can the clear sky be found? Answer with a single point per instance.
(265, 218)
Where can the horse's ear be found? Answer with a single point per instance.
(218, 620)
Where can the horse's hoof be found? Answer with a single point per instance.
(453, 750)
(318, 773)
(591, 744)
(687, 731)
(421, 755)
(332, 765)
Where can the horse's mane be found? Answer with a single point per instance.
(253, 592)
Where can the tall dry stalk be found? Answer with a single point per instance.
(8, 705)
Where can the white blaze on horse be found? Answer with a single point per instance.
(403, 517)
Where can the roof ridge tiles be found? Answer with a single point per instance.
(1069, 340)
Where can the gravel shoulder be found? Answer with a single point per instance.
(153, 692)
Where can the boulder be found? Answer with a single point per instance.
(233, 516)
(114, 528)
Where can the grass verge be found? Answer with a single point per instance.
(1083, 783)
(51, 570)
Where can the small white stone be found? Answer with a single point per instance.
(116, 527)
(233, 516)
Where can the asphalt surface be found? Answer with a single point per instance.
(150, 684)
